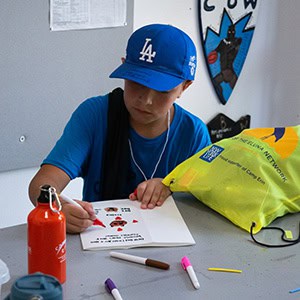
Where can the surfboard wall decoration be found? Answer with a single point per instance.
(226, 29)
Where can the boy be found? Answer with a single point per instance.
(128, 141)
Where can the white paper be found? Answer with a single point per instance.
(86, 14)
(161, 226)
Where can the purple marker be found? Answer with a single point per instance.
(112, 289)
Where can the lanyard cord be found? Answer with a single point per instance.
(161, 154)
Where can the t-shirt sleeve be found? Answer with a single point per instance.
(201, 138)
(71, 151)
(190, 135)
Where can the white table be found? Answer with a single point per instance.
(266, 273)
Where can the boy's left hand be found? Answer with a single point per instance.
(151, 193)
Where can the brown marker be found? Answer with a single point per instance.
(141, 260)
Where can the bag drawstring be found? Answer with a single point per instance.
(289, 242)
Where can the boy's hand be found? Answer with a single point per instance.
(78, 219)
(151, 193)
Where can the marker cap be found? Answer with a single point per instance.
(109, 285)
(185, 262)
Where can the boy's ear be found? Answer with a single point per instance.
(186, 84)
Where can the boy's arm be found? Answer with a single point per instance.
(77, 219)
(47, 174)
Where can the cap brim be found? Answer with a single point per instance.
(145, 76)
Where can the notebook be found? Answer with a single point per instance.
(129, 226)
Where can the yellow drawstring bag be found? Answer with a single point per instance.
(251, 177)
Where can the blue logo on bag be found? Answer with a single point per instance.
(213, 152)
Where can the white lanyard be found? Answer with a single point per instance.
(161, 154)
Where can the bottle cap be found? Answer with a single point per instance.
(36, 286)
(44, 195)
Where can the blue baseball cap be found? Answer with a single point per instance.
(159, 57)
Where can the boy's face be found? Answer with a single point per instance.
(147, 106)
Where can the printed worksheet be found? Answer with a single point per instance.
(88, 14)
(128, 226)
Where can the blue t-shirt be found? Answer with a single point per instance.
(79, 150)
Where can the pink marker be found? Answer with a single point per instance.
(189, 268)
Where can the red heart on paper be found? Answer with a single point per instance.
(135, 221)
(120, 229)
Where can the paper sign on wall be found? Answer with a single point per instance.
(87, 14)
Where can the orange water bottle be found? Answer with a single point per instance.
(46, 236)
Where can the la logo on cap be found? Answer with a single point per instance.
(147, 51)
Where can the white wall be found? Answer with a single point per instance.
(267, 88)
(14, 200)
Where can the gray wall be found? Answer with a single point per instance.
(45, 75)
